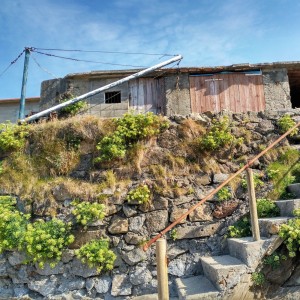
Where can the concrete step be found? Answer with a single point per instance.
(196, 288)
(288, 206)
(224, 271)
(294, 189)
(248, 251)
(270, 226)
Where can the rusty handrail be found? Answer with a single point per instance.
(150, 242)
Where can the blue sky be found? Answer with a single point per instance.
(205, 32)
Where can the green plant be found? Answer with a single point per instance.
(130, 129)
(12, 136)
(256, 179)
(218, 136)
(290, 232)
(285, 123)
(274, 260)
(73, 109)
(267, 208)
(258, 278)
(174, 234)
(7, 202)
(242, 228)
(224, 194)
(87, 213)
(45, 241)
(96, 253)
(13, 226)
(141, 194)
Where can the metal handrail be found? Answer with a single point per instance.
(177, 221)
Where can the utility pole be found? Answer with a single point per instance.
(24, 82)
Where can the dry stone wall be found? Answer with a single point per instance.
(129, 225)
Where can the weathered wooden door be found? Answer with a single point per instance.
(146, 95)
(236, 92)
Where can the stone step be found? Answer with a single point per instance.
(288, 206)
(270, 226)
(248, 251)
(224, 271)
(196, 288)
(294, 189)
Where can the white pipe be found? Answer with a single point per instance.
(106, 87)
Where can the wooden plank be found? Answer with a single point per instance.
(193, 94)
(202, 90)
(243, 91)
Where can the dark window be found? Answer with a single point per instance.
(113, 97)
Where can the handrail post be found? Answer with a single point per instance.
(162, 269)
(252, 205)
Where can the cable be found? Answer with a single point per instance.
(14, 61)
(43, 69)
(89, 61)
(109, 52)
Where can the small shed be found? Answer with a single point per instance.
(237, 88)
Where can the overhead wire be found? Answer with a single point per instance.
(108, 52)
(13, 62)
(89, 61)
(43, 69)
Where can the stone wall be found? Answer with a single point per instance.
(276, 89)
(129, 225)
(178, 99)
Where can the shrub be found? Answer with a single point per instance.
(290, 232)
(267, 208)
(241, 228)
(96, 253)
(12, 136)
(72, 109)
(7, 202)
(12, 227)
(141, 194)
(45, 240)
(274, 260)
(87, 213)
(174, 234)
(130, 129)
(285, 123)
(256, 179)
(218, 136)
(224, 194)
(258, 278)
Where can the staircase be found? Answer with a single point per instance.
(223, 275)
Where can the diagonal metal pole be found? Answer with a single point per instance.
(104, 88)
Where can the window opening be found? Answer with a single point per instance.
(113, 97)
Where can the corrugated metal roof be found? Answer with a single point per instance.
(11, 100)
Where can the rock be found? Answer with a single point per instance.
(204, 179)
(146, 290)
(82, 237)
(136, 223)
(3, 268)
(225, 209)
(156, 220)
(61, 193)
(6, 293)
(201, 213)
(129, 211)
(16, 258)
(45, 286)
(47, 270)
(102, 284)
(67, 255)
(140, 275)
(194, 231)
(112, 209)
(121, 286)
(20, 276)
(294, 280)
(220, 177)
(176, 213)
(20, 291)
(175, 251)
(77, 268)
(177, 267)
(133, 238)
(133, 257)
(71, 285)
(183, 199)
(156, 204)
(118, 225)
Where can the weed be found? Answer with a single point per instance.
(224, 194)
(174, 234)
(241, 228)
(285, 123)
(267, 208)
(97, 254)
(258, 278)
(141, 195)
(274, 260)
